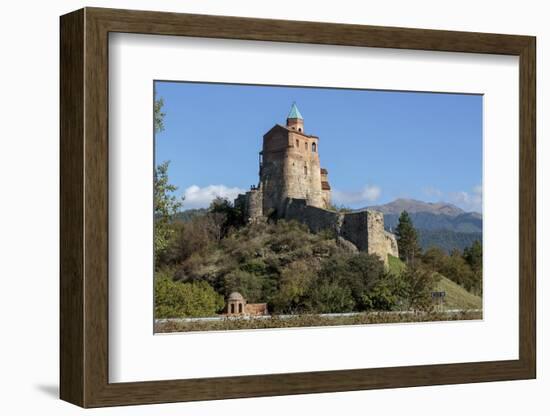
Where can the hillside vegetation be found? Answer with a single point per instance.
(456, 297)
(280, 263)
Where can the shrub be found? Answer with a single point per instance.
(247, 284)
(294, 286)
(177, 300)
(357, 272)
(330, 297)
(457, 269)
(388, 293)
(229, 215)
(420, 282)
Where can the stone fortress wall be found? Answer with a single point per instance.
(293, 186)
(364, 229)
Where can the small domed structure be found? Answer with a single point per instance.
(235, 296)
(235, 304)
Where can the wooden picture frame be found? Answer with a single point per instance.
(84, 207)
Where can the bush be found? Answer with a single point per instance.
(329, 297)
(390, 292)
(228, 214)
(457, 269)
(357, 272)
(178, 300)
(294, 287)
(247, 284)
(420, 282)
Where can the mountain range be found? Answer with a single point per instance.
(438, 224)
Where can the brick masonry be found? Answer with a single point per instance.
(293, 186)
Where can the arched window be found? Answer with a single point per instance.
(232, 308)
(299, 129)
(297, 143)
(306, 145)
(313, 147)
(240, 308)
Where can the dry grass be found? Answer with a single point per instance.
(312, 321)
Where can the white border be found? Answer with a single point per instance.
(135, 354)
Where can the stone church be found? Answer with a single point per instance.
(294, 186)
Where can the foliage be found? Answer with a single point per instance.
(166, 205)
(421, 282)
(294, 284)
(407, 239)
(447, 240)
(330, 297)
(298, 272)
(189, 214)
(434, 258)
(247, 284)
(195, 236)
(158, 115)
(176, 300)
(230, 215)
(457, 297)
(464, 269)
(390, 292)
(395, 265)
(432, 221)
(357, 272)
(474, 257)
(340, 208)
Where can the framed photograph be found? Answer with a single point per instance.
(255, 207)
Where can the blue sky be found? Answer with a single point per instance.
(376, 145)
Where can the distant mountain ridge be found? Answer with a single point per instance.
(440, 224)
(413, 206)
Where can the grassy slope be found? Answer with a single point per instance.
(395, 265)
(456, 297)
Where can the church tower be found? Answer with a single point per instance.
(290, 166)
(294, 120)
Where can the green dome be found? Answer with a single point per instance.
(294, 112)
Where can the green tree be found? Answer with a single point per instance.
(407, 239)
(330, 297)
(178, 300)
(434, 257)
(294, 286)
(229, 215)
(248, 284)
(358, 273)
(158, 115)
(474, 257)
(166, 205)
(420, 282)
(388, 293)
(457, 269)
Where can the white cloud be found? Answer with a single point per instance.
(469, 201)
(369, 193)
(197, 197)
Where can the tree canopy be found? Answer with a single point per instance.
(407, 239)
